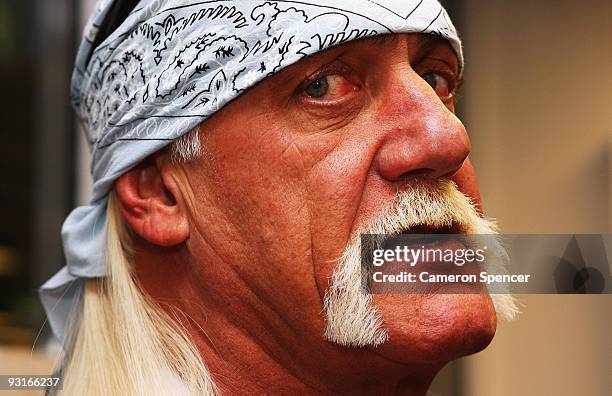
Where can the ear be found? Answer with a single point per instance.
(147, 196)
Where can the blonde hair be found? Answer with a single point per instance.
(124, 344)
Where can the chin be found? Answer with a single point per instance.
(436, 328)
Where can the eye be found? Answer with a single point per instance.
(439, 83)
(317, 88)
(330, 88)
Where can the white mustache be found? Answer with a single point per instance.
(432, 203)
(352, 319)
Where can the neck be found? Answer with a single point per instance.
(253, 361)
(249, 348)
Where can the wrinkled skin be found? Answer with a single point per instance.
(243, 239)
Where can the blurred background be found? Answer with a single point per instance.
(537, 102)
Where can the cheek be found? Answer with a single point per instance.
(259, 182)
(467, 184)
(253, 208)
(336, 190)
(288, 195)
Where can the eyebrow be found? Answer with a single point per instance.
(428, 44)
(425, 46)
(380, 38)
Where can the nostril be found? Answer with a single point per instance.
(429, 173)
(421, 172)
(452, 172)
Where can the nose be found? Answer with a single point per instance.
(422, 137)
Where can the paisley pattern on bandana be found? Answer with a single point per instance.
(157, 70)
(189, 60)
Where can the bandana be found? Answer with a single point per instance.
(170, 65)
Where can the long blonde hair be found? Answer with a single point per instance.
(124, 343)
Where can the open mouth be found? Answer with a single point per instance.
(453, 228)
(433, 236)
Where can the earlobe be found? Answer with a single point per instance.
(149, 206)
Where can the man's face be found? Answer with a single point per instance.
(298, 165)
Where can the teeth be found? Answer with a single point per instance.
(429, 229)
